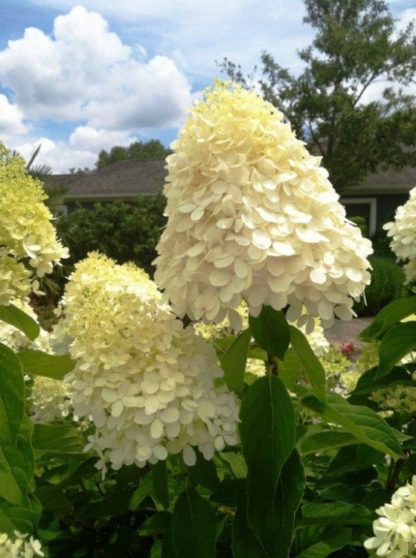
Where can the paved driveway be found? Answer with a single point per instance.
(347, 332)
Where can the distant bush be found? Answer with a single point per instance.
(387, 284)
(381, 245)
(126, 232)
(361, 224)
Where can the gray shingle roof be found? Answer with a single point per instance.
(127, 179)
(385, 182)
(124, 179)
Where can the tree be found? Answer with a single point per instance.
(152, 149)
(356, 46)
(123, 231)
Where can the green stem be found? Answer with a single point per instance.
(272, 365)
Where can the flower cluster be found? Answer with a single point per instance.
(395, 529)
(402, 232)
(27, 235)
(50, 399)
(252, 216)
(21, 547)
(147, 383)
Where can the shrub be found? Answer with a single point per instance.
(126, 232)
(387, 284)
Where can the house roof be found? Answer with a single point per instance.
(124, 179)
(384, 182)
(129, 178)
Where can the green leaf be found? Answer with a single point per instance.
(325, 440)
(399, 341)
(339, 513)
(160, 483)
(271, 331)
(12, 394)
(204, 472)
(244, 543)
(10, 485)
(290, 369)
(288, 498)
(156, 524)
(314, 370)
(267, 431)
(19, 319)
(193, 526)
(20, 518)
(53, 498)
(363, 423)
(390, 315)
(234, 362)
(329, 544)
(237, 464)
(370, 381)
(57, 438)
(144, 490)
(37, 363)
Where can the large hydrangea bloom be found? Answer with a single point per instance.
(403, 235)
(395, 529)
(28, 244)
(147, 382)
(252, 215)
(20, 547)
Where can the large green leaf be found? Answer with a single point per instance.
(37, 363)
(234, 362)
(313, 369)
(288, 497)
(10, 477)
(12, 394)
(271, 331)
(19, 319)
(390, 315)
(57, 438)
(365, 424)
(339, 513)
(193, 526)
(245, 544)
(329, 544)
(267, 431)
(325, 440)
(399, 341)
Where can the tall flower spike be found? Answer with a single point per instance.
(147, 383)
(28, 244)
(252, 215)
(403, 238)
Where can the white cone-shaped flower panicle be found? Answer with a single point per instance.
(403, 233)
(395, 529)
(28, 244)
(147, 382)
(20, 547)
(252, 215)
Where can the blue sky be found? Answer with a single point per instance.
(82, 76)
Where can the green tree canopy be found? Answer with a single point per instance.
(152, 149)
(356, 46)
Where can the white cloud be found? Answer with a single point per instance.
(204, 31)
(80, 151)
(11, 118)
(84, 72)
